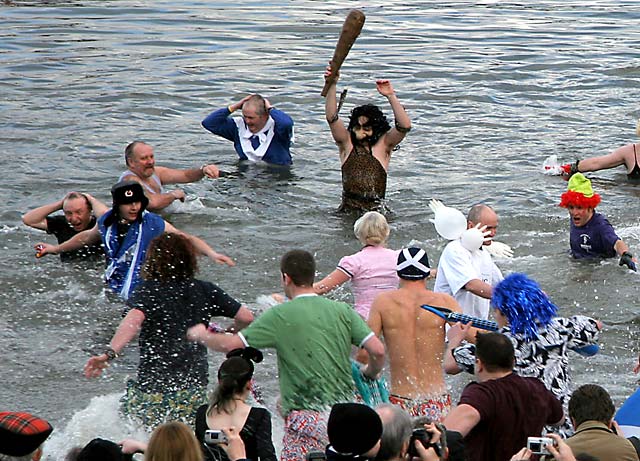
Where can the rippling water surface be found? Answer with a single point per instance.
(492, 87)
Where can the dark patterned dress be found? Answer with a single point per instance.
(546, 357)
(364, 182)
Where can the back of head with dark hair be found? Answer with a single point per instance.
(233, 376)
(300, 266)
(496, 351)
(170, 257)
(591, 403)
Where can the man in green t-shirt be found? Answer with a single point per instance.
(312, 337)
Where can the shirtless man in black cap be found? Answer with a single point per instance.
(415, 338)
(365, 146)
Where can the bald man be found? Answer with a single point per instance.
(262, 134)
(469, 276)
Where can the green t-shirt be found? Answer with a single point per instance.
(312, 337)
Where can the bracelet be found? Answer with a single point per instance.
(574, 168)
(402, 129)
(231, 111)
(202, 168)
(111, 354)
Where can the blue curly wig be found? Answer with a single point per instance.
(523, 303)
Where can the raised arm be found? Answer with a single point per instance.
(462, 419)
(127, 330)
(81, 239)
(479, 288)
(37, 218)
(220, 342)
(218, 122)
(157, 202)
(242, 318)
(201, 246)
(402, 122)
(375, 348)
(612, 160)
(338, 130)
(334, 279)
(97, 206)
(175, 176)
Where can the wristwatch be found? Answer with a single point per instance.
(111, 354)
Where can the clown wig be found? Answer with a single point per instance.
(524, 304)
(571, 198)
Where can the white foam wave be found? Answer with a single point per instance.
(101, 419)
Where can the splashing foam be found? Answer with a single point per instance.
(101, 419)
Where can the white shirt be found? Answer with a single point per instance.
(457, 267)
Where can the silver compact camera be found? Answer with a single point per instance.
(538, 445)
(214, 437)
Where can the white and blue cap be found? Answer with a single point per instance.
(413, 264)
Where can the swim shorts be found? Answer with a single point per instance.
(304, 431)
(155, 409)
(435, 408)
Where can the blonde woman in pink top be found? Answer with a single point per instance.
(371, 270)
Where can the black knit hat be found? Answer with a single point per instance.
(22, 433)
(101, 450)
(353, 428)
(128, 192)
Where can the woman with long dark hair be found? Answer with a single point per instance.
(172, 373)
(228, 408)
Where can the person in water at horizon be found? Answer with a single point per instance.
(80, 213)
(126, 231)
(140, 161)
(591, 235)
(173, 373)
(365, 146)
(262, 134)
(626, 155)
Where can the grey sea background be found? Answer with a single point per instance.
(492, 88)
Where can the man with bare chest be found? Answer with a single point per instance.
(141, 167)
(365, 146)
(414, 337)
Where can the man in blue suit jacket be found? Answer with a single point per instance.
(264, 133)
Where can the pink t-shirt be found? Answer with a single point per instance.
(372, 270)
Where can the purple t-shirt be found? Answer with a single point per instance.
(511, 409)
(593, 240)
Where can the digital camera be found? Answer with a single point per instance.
(214, 437)
(538, 445)
(424, 437)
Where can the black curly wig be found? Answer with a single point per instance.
(377, 120)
